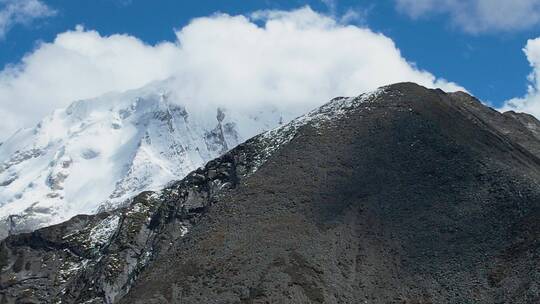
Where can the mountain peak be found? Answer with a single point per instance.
(120, 143)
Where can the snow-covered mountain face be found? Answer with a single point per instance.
(98, 153)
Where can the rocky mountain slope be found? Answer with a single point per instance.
(98, 153)
(403, 195)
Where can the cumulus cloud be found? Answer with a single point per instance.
(475, 16)
(529, 103)
(14, 12)
(287, 58)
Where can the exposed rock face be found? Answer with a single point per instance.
(404, 195)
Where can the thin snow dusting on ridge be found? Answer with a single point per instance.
(335, 109)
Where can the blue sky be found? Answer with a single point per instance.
(487, 59)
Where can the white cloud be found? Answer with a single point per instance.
(357, 15)
(475, 16)
(331, 5)
(530, 103)
(286, 58)
(14, 12)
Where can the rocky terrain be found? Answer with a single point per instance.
(403, 195)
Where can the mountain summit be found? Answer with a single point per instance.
(403, 195)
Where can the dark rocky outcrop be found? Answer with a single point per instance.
(406, 195)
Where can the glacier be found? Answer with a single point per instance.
(98, 153)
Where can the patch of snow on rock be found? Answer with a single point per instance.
(102, 232)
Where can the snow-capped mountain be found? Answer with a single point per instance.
(96, 154)
(415, 188)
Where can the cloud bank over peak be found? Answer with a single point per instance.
(477, 16)
(298, 58)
